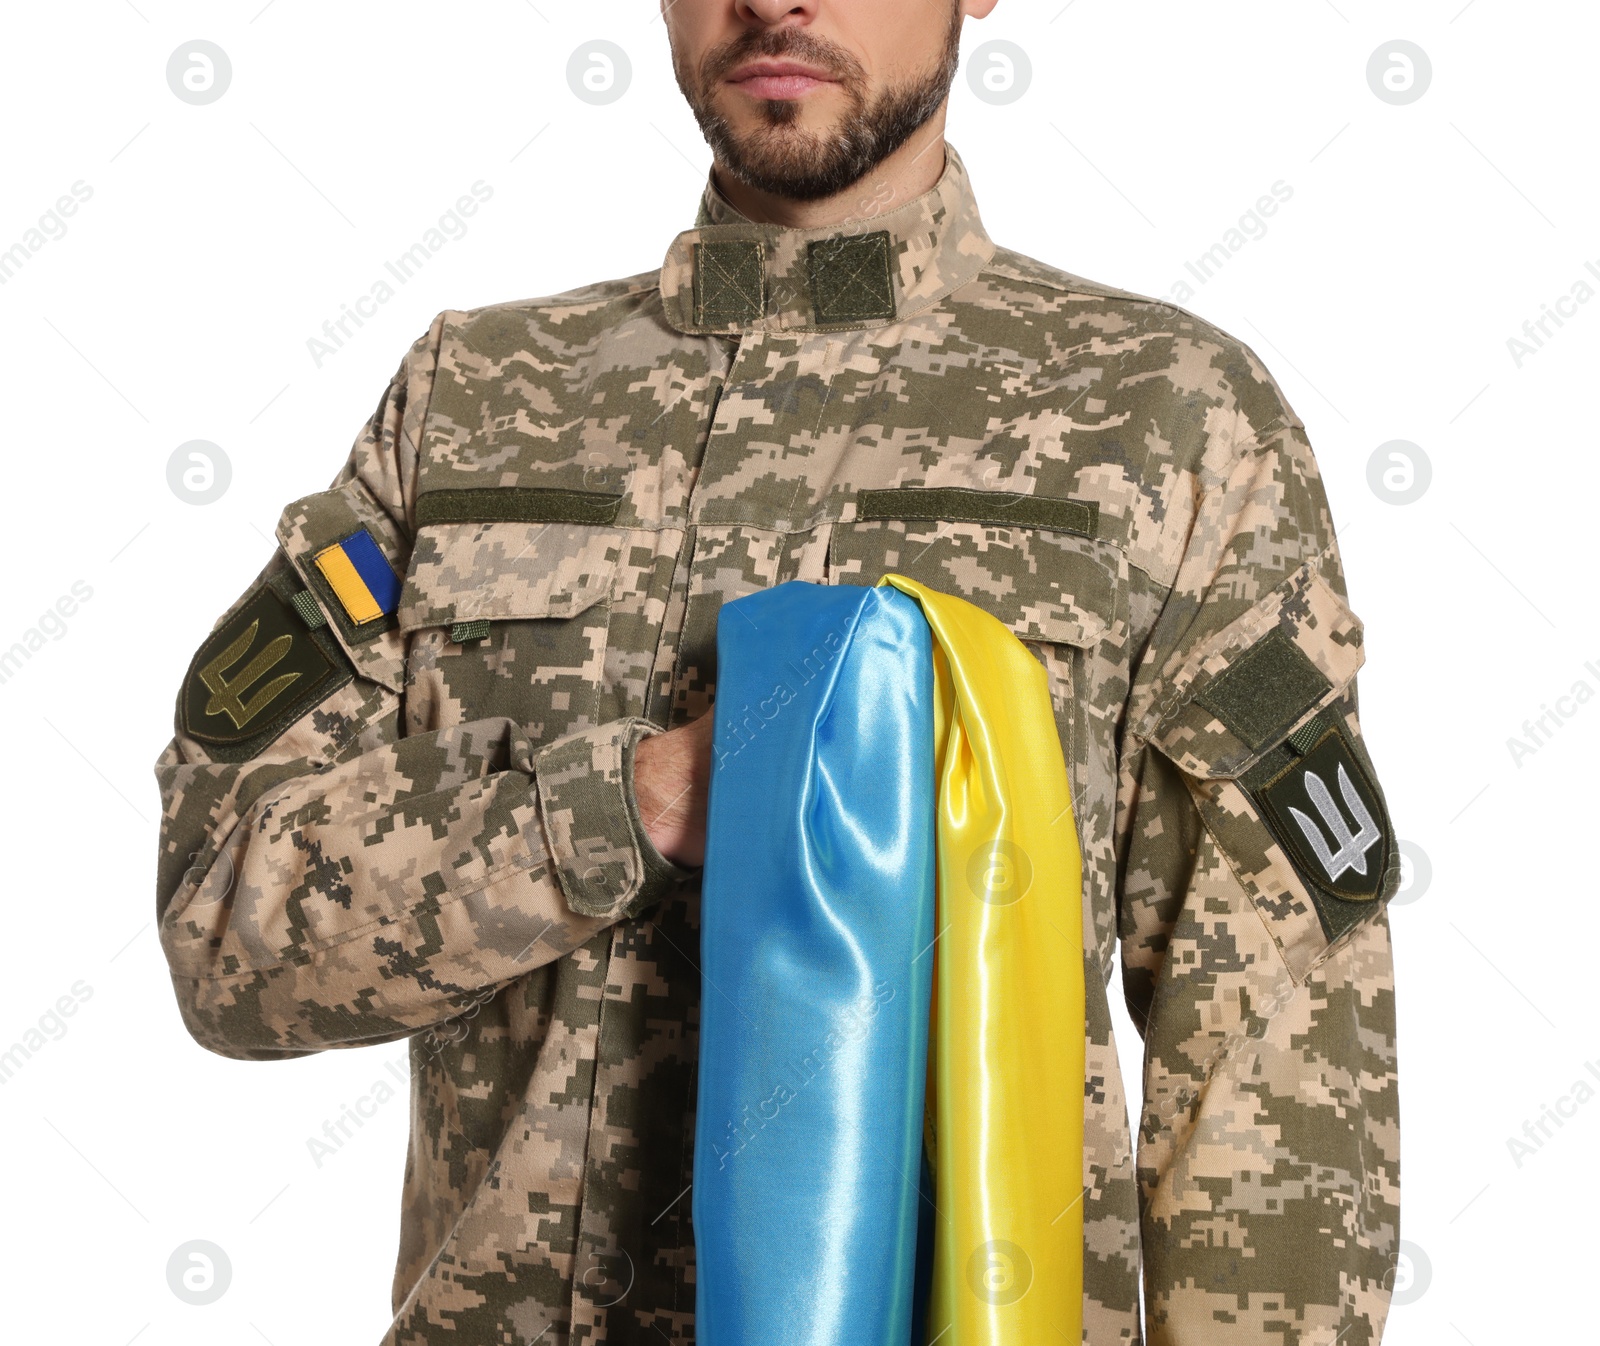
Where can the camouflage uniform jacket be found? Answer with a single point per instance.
(428, 830)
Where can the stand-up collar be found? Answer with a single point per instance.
(730, 274)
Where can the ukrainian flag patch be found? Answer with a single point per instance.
(361, 577)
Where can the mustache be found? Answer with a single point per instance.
(795, 44)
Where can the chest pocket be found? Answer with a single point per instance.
(1063, 594)
(1058, 592)
(508, 618)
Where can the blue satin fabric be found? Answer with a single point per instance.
(816, 927)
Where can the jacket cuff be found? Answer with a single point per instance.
(603, 858)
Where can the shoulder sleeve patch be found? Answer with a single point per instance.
(256, 674)
(1323, 807)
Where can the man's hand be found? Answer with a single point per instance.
(671, 777)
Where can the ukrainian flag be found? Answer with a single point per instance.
(361, 577)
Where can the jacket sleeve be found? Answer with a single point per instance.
(326, 879)
(1256, 859)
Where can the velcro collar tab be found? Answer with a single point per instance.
(730, 274)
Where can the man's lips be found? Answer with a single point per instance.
(778, 79)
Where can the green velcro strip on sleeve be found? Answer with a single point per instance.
(850, 277)
(517, 504)
(959, 504)
(729, 282)
(1265, 690)
(465, 633)
(310, 610)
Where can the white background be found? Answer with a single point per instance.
(218, 240)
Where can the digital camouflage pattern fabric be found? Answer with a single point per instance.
(430, 833)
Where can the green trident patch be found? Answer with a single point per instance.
(226, 697)
(256, 674)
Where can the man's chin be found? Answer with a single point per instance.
(815, 147)
(794, 168)
(798, 143)
(818, 114)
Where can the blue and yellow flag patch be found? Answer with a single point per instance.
(361, 577)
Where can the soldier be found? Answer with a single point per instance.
(440, 773)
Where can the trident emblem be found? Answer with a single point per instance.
(227, 694)
(1353, 846)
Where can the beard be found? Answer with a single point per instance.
(778, 156)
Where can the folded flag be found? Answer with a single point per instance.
(893, 1002)
(817, 922)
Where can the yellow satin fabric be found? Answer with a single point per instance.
(1007, 1048)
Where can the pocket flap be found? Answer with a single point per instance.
(505, 570)
(1045, 585)
(1259, 678)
